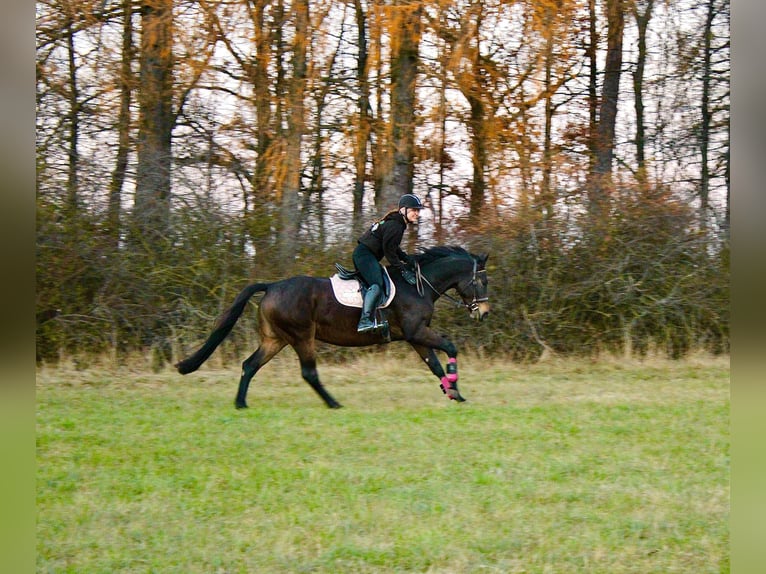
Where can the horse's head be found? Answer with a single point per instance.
(448, 267)
(473, 290)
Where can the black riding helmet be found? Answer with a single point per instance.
(410, 201)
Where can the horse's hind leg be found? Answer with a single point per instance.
(307, 356)
(262, 355)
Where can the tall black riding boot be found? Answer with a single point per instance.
(366, 323)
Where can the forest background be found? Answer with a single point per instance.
(185, 148)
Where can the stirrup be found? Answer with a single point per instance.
(365, 326)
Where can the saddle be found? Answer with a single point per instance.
(349, 287)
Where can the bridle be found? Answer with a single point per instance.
(472, 306)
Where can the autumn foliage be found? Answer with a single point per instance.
(186, 148)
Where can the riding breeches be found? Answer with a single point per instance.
(368, 266)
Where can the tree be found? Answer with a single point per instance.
(607, 117)
(698, 136)
(74, 120)
(715, 92)
(290, 215)
(554, 21)
(478, 76)
(364, 121)
(592, 54)
(642, 22)
(125, 81)
(404, 26)
(475, 84)
(261, 116)
(151, 212)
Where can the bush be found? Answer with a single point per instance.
(644, 278)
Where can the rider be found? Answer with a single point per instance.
(383, 239)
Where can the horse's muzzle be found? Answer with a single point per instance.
(480, 311)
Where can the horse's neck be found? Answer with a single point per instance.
(442, 274)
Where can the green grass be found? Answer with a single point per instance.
(559, 467)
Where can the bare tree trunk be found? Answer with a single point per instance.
(405, 40)
(313, 196)
(704, 191)
(523, 149)
(605, 132)
(592, 84)
(278, 43)
(470, 82)
(477, 127)
(439, 215)
(123, 127)
(261, 93)
(364, 127)
(379, 136)
(152, 203)
(546, 190)
(642, 22)
(258, 216)
(477, 122)
(74, 124)
(290, 212)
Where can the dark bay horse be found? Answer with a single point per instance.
(300, 310)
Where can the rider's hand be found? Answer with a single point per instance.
(409, 276)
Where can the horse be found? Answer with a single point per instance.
(300, 310)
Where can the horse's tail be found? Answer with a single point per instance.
(222, 328)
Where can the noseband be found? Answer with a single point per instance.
(472, 306)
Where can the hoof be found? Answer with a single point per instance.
(335, 406)
(240, 406)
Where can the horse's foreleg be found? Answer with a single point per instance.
(429, 358)
(251, 365)
(307, 356)
(448, 380)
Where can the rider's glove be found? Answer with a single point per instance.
(409, 276)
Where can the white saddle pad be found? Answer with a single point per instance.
(348, 291)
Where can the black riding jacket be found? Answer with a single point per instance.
(383, 239)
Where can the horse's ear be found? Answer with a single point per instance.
(483, 258)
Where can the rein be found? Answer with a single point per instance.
(472, 306)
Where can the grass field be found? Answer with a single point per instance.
(559, 467)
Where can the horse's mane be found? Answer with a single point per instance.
(430, 254)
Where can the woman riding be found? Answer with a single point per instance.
(383, 239)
